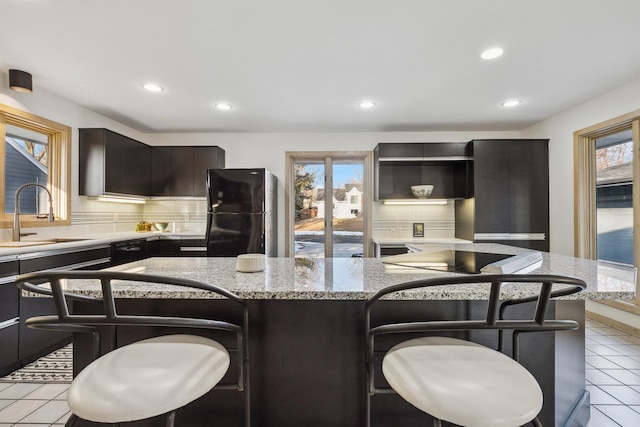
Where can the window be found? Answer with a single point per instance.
(34, 149)
(607, 202)
(355, 200)
(26, 160)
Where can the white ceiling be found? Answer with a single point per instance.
(302, 65)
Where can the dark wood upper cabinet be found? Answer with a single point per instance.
(110, 163)
(398, 166)
(180, 171)
(161, 171)
(510, 194)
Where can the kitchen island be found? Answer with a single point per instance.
(306, 333)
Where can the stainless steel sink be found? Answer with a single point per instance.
(25, 243)
(64, 240)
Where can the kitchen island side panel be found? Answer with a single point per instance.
(307, 362)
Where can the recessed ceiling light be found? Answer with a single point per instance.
(511, 103)
(366, 104)
(224, 106)
(152, 87)
(492, 53)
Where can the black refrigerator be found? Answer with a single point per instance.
(241, 217)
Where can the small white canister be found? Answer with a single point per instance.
(250, 263)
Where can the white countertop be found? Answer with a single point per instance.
(355, 278)
(93, 240)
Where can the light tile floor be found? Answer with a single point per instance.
(612, 377)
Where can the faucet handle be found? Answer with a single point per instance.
(27, 234)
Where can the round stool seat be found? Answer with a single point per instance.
(463, 382)
(147, 378)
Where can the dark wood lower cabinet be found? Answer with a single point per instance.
(9, 342)
(177, 248)
(9, 315)
(35, 343)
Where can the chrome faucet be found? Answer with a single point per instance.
(16, 212)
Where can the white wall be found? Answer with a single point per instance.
(559, 129)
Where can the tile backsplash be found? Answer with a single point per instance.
(90, 217)
(189, 216)
(396, 221)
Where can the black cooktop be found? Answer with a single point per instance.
(452, 261)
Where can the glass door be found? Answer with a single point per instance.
(309, 226)
(614, 197)
(329, 205)
(347, 208)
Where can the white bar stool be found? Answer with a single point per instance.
(459, 381)
(147, 378)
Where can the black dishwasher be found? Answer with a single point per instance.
(128, 251)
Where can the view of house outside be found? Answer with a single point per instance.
(312, 203)
(614, 198)
(25, 161)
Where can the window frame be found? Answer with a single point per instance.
(59, 164)
(584, 210)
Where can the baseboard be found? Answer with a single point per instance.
(581, 413)
(613, 323)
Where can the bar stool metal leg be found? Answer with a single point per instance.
(171, 419)
(71, 421)
(436, 422)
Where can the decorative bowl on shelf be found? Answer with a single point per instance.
(160, 226)
(422, 191)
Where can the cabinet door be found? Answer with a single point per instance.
(400, 150)
(491, 186)
(114, 151)
(204, 158)
(91, 162)
(9, 297)
(137, 168)
(445, 150)
(182, 172)
(9, 344)
(161, 171)
(529, 186)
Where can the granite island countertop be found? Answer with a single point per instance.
(355, 278)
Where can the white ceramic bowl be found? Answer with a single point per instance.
(422, 191)
(250, 263)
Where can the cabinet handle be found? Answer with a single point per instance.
(8, 279)
(82, 264)
(9, 323)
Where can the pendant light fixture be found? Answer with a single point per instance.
(20, 81)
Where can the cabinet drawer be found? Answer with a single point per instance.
(75, 258)
(8, 269)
